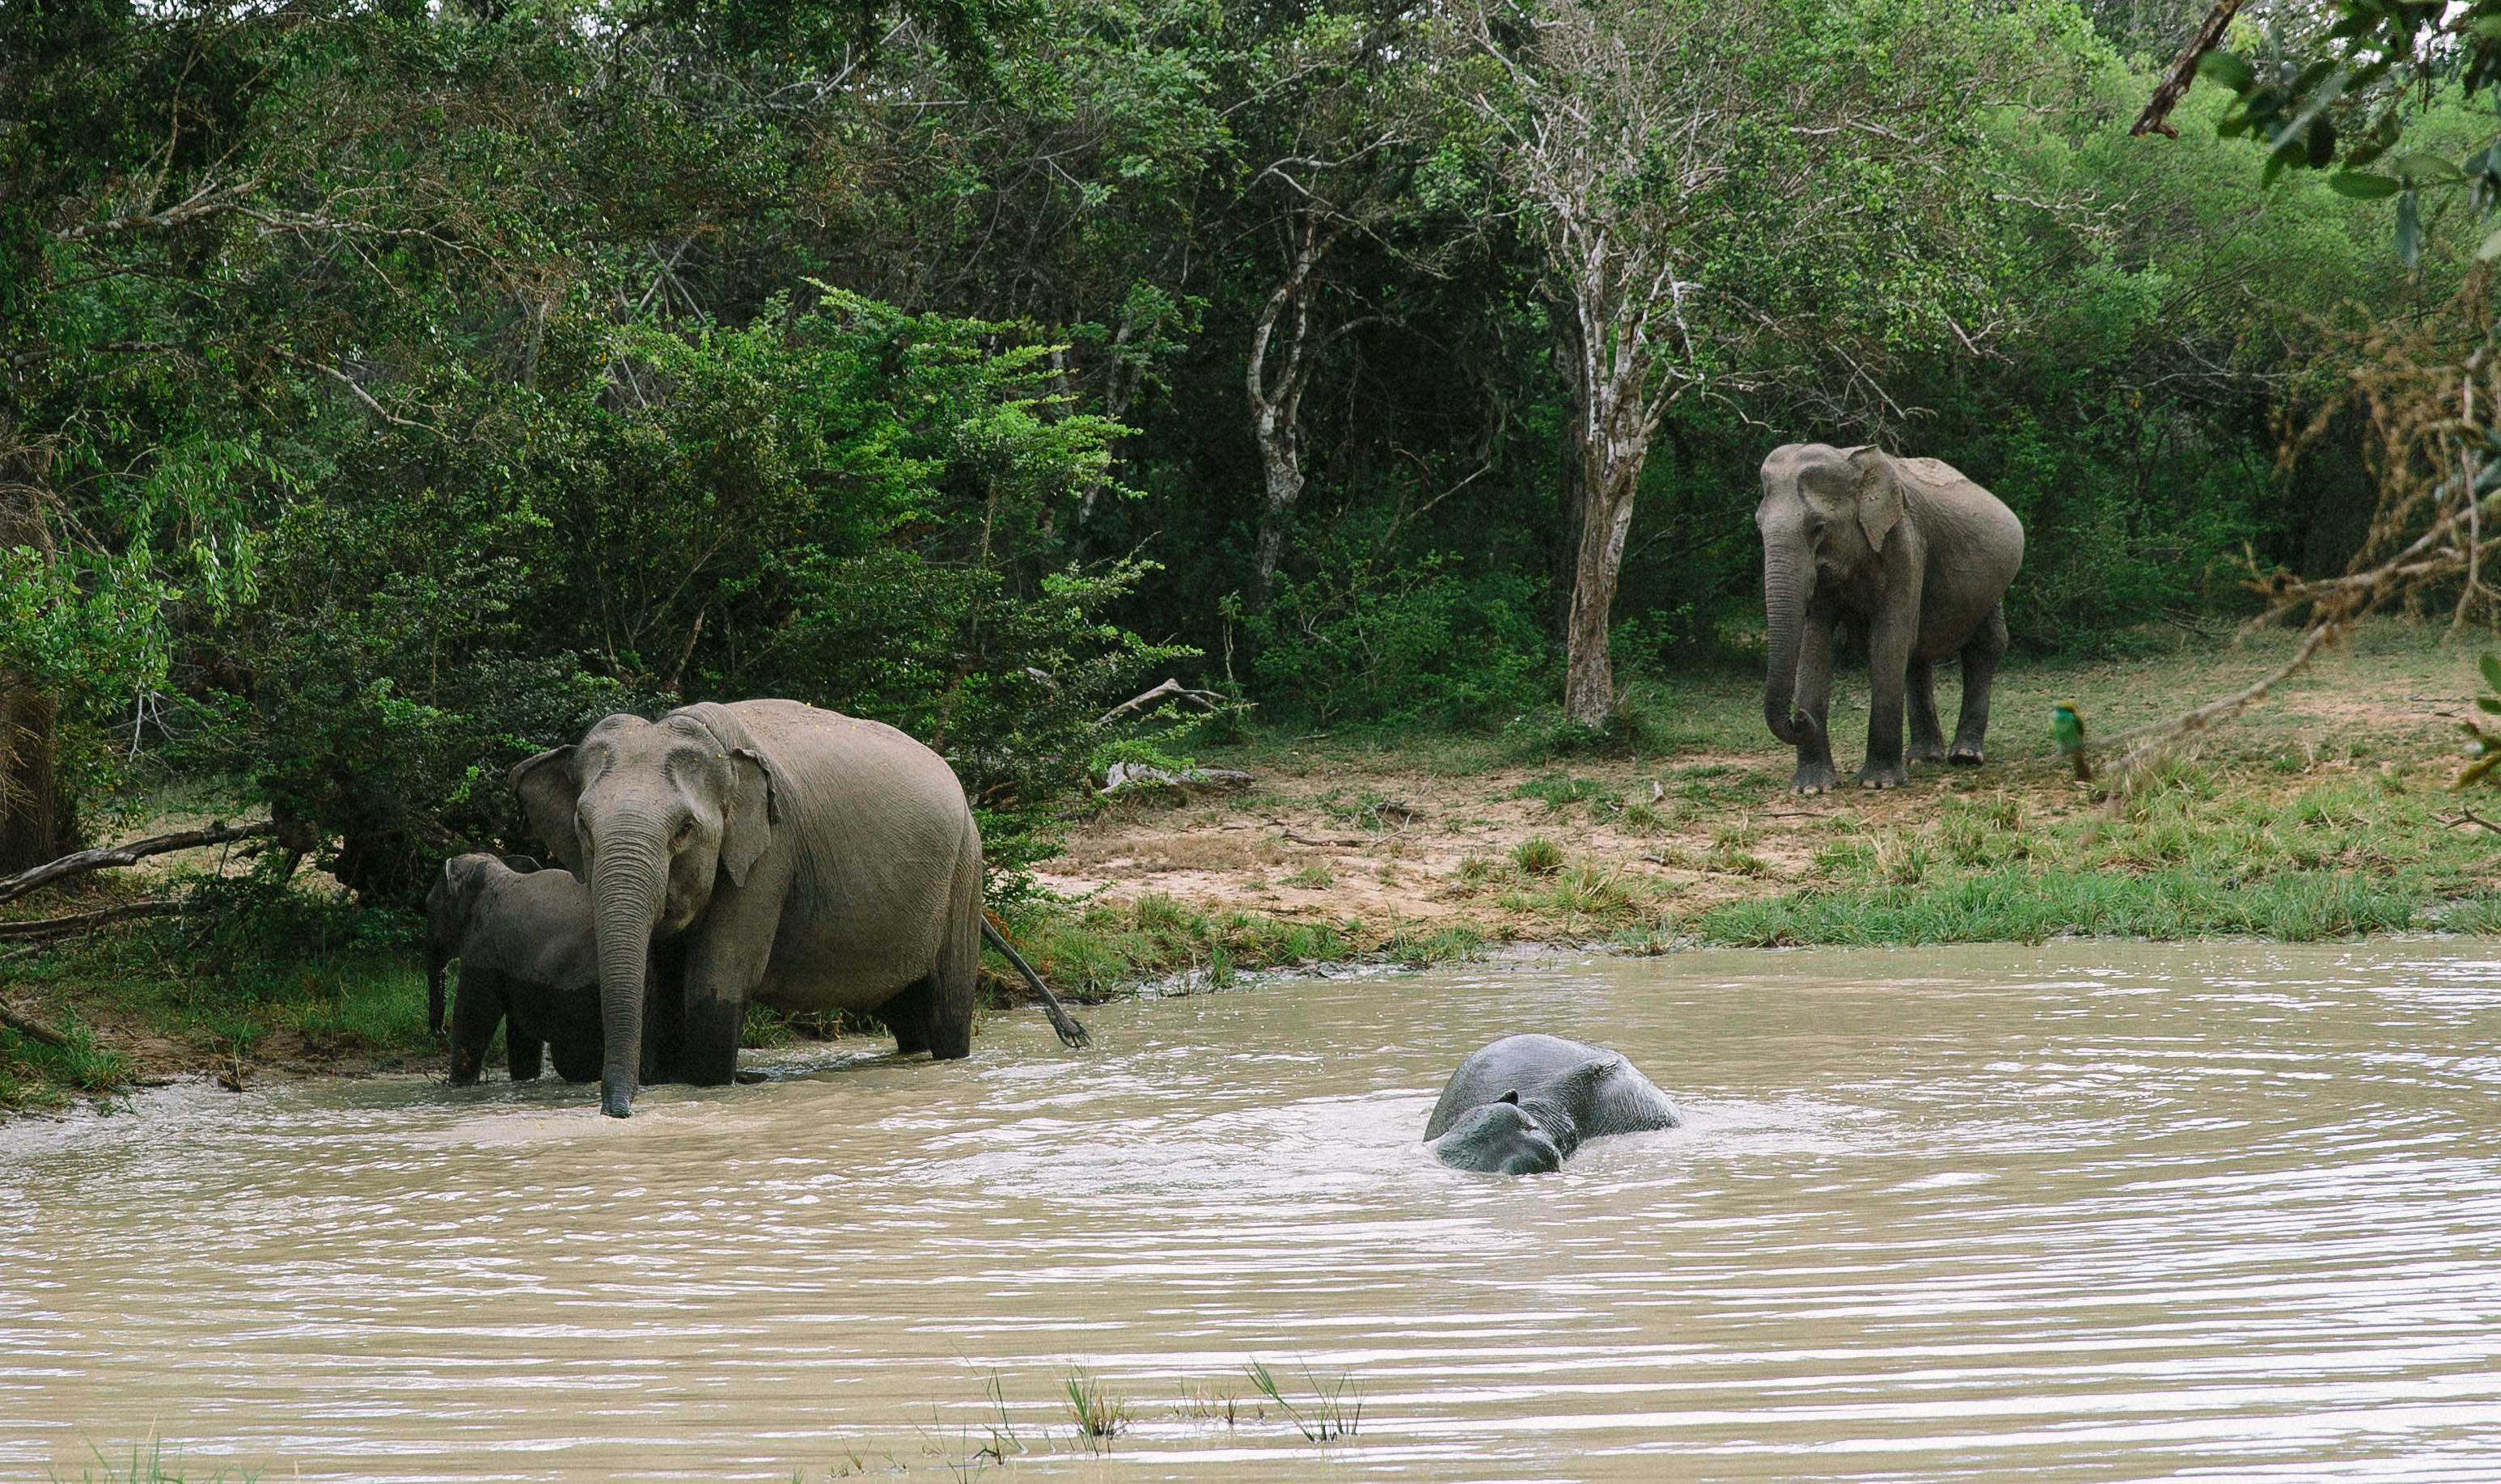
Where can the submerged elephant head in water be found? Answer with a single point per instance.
(1499, 1138)
(1523, 1104)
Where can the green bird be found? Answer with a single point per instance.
(2067, 725)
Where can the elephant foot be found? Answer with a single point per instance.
(1888, 776)
(1966, 755)
(1815, 779)
(1929, 752)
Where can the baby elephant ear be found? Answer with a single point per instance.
(1880, 495)
(548, 791)
(750, 816)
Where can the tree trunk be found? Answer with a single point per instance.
(33, 827)
(1276, 399)
(1589, 671)
(30, 812)
(1571, 484)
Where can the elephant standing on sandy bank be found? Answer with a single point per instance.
(1911, 562)
(765, 851)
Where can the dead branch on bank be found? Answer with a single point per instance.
(30, 1027)
(80, 863)
(2434, 449)
(79, 922)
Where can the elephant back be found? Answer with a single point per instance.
(881, 840)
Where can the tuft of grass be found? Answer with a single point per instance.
(1442, 945)
(1537, 855)
(1100, 1414)
(1561, 795)
(1312, 878)
(148, 1464)
(1475, 871)
(1335, 1412)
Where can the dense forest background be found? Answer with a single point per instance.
(388, 389)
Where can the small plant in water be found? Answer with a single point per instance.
(1211, 1403)
(1537, 855)
(1336, 1410)
(1099, 1414)
(148, 1464)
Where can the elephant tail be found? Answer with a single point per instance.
(1071, 1034)
(435, 959)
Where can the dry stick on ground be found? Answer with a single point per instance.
(76, 922)
(31, 1028)
(81, 862)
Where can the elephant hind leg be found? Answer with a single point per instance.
(1980, 656)
(952, 980)
(907, 1015)
(1927, 737)
(521, 1053)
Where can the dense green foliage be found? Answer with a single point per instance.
(392, 388)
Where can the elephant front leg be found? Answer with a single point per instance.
(1888, 660)
(1815, 771)
(1980, 659)
(725, 962)
(1927, 736)
(474, 1013)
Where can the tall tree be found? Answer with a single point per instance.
(1677, 162)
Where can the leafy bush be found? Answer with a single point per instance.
(840, 506)
(1362, 642)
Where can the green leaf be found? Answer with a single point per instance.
(2410, 228)
(2364, 187)
(2322, 144)
(2418, 168)
(2491, 665)
(2491, 704)
(2230, 68)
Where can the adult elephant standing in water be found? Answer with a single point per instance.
(791, 856)
(1911, 561)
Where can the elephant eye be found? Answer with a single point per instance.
(685, 830)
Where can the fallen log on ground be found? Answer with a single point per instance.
(31, 1028)
(80, 863)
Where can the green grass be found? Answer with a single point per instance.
(148, 1464)
(2195, 854)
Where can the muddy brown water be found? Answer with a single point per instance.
(2088, 1212)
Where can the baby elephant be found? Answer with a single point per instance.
(1522, 1104)
(527, 960)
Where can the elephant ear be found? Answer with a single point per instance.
(548, 790)
(747, 823)
(1880, 495)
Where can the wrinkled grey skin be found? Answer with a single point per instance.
(762, 851)
(1907, 559)
(527, 962)
(1523, 1104)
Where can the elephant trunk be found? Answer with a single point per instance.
(628, 883)
(1785, 593)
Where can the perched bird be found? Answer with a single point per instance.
(2067, 725)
